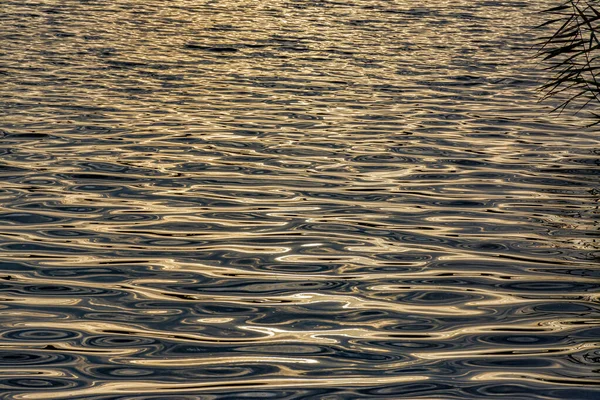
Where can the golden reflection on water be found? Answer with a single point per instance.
(296, 199)
(136, 387)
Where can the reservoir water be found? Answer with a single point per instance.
(291, 199)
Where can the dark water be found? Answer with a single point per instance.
(291, 200)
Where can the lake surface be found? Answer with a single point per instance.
(291, 200)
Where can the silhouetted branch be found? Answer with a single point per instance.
(571, 53)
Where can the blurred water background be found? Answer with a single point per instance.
(291, 200)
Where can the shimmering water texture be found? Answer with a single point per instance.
(291, 200)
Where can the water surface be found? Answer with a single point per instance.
(291, 200)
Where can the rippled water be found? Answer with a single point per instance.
(291, 199)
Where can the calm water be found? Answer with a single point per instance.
(291, 200)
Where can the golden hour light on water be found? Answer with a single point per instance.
(294, 199)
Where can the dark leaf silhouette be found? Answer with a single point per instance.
(572, 53)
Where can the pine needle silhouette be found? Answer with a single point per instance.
(572, 54)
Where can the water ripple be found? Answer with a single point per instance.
(291, 200)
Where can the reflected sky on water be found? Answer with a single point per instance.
(291, 200)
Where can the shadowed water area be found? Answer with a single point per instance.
(291, 200)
